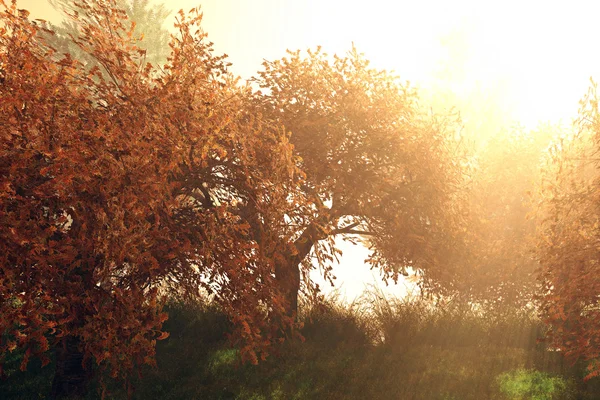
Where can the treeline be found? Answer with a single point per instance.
(129, 178)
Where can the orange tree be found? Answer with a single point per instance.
(378, 169)
(568, 239)
(121, 183)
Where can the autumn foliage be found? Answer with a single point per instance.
(123, 183)
(568, 239)
(378, 169)
(110, 181)
(496, 265)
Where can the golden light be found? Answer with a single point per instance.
(520, 61)
(540, 53)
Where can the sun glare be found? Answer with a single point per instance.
(538, 53)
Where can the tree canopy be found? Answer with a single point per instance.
(127, 175)
(378, 169)
(117, 188)
(149, 30)
(494, 262)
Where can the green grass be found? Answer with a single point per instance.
(524, 384)
(378, 349)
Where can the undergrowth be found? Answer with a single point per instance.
(375, 348)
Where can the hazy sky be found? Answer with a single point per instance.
(540, 53)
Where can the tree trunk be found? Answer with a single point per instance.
(70, 376)
(287, 272)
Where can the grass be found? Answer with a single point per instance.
(375, 349)
(524, 384)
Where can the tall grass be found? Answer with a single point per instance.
(374, 348)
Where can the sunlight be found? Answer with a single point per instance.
(539, 53)
(525, 62)
(502, 63)
(148, 194)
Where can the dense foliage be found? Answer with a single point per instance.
(568, 239)
(378, 169)
(122, 183)
(114, 188)
(134, 167)
(496, 263)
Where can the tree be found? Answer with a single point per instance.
(114, 194)
(149, 20)
(378, 170)
(568, 239)
(495, 263)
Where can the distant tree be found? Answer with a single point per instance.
(568, 239)
(116, 189)
(495, 262)
(378, 170)
(149, 29)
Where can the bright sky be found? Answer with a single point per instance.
(538, 55)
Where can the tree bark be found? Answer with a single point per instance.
(288, 271)
(70, 377)
(287, 274)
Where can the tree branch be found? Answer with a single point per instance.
(355, 232)
(348, 230)
(345, 228)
